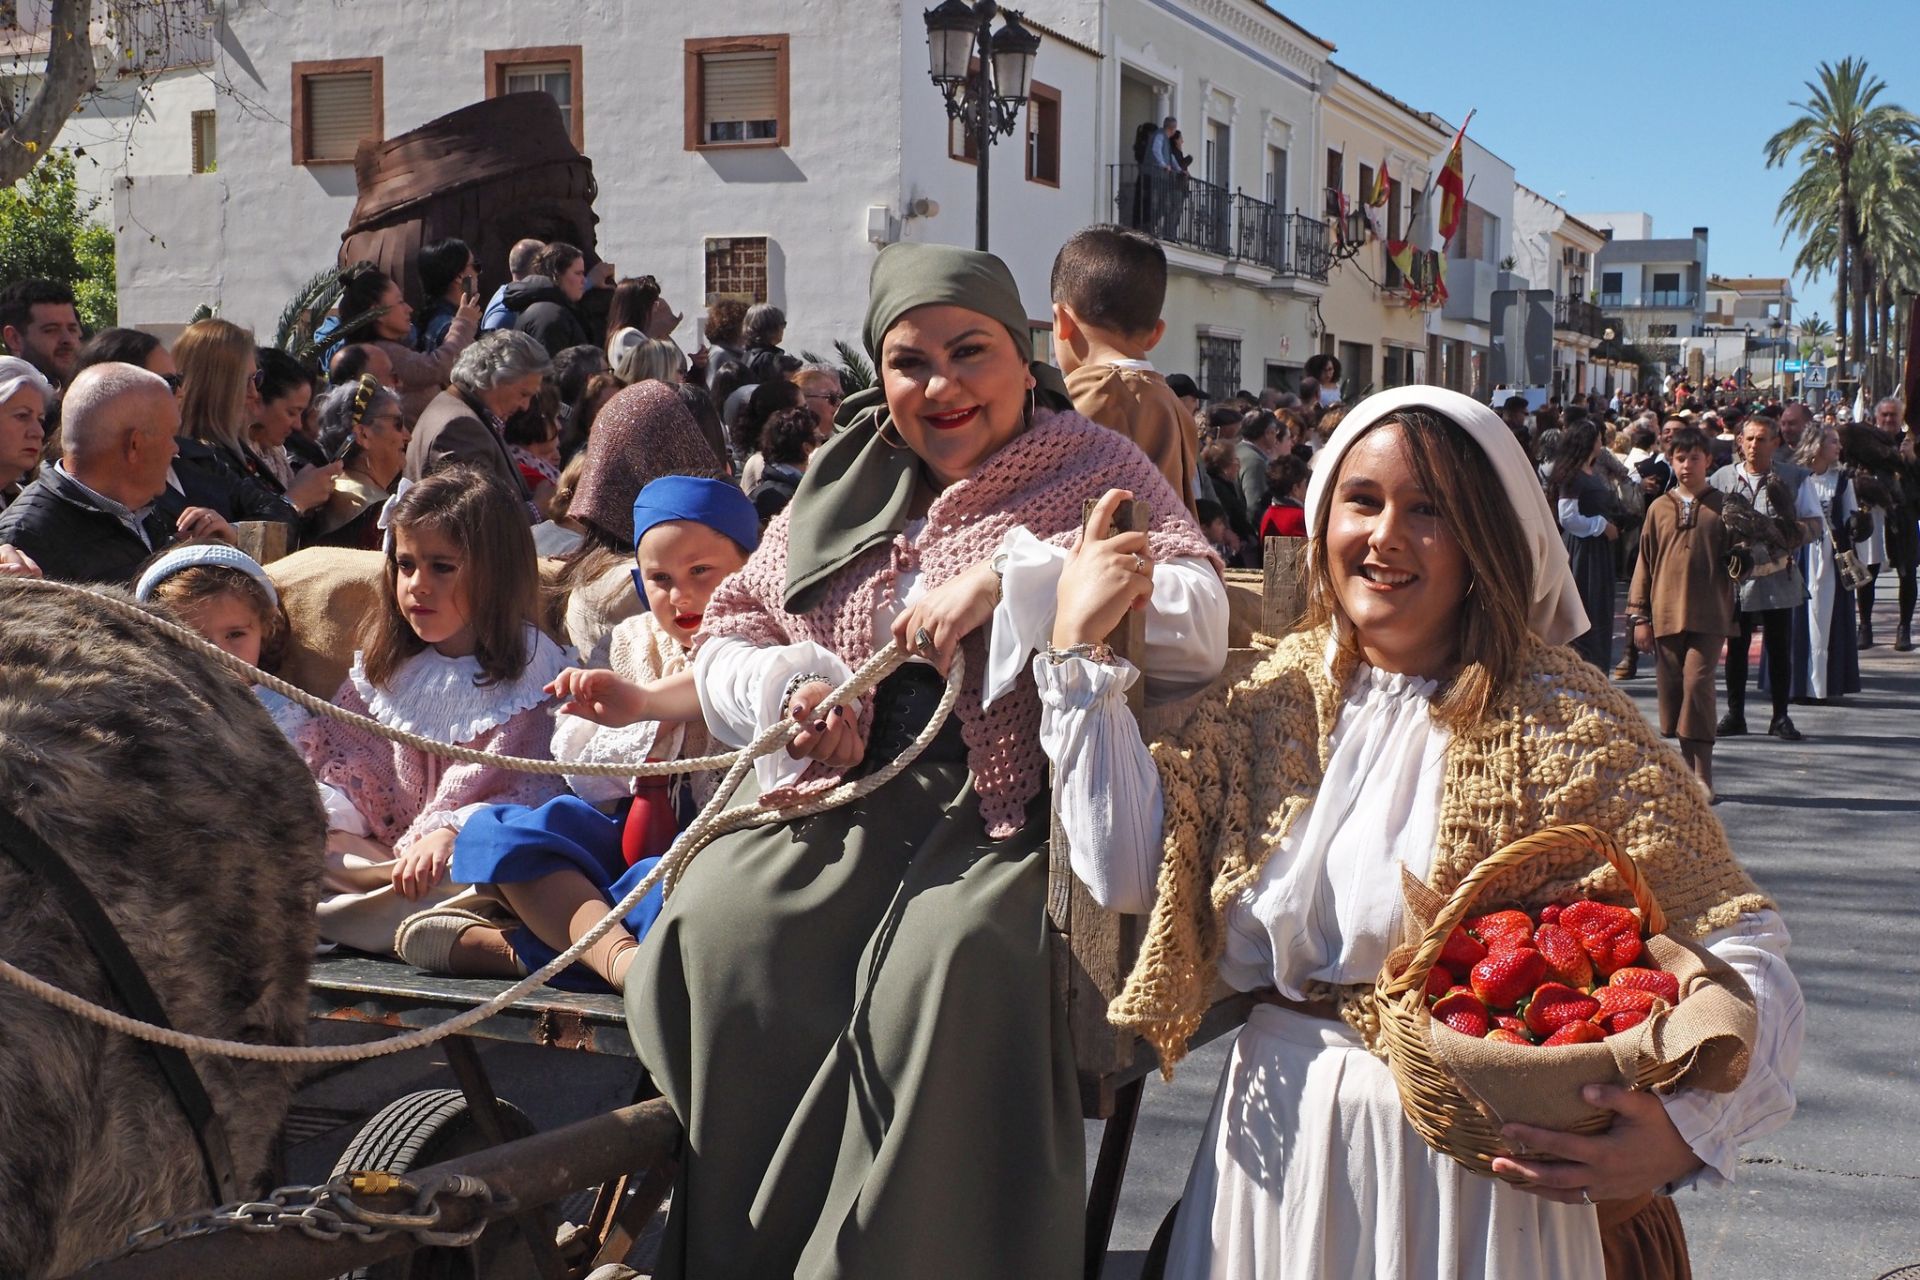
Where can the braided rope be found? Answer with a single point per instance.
(712, 822)
(133, 611)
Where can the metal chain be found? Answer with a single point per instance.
(330, 1212)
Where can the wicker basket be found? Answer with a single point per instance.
(1440, 1110)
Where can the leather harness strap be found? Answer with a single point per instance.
(129, 983)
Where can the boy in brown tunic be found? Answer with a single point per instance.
(1108, 286)
(1681, 603)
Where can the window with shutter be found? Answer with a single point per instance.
(550, 69)
(336, 105)
(737, 92)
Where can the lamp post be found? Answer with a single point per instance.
(984, 75)
(1773, 329)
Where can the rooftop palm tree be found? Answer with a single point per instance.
(1840, 120)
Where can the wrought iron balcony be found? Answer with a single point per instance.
(1578, 315)
(1677, 299)
(1200, 215)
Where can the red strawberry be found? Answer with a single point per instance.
(1502, 929)
(1661, 984)
(1617, 999)
(1504, 1036)
(1554, 1005)
(1550, 913)
(1507, 1022)
(1625, 1020)
(1463, 1011)
(1461, 952)
(1610, 934)
(1566, 958)
(1574, 1033)
(1439, 982)
(1505, 977)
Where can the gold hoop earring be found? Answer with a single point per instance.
(892, 442)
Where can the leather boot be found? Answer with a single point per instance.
(1629, 666)
(1866, 632)
(1903, 638)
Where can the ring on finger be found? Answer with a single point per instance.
(923, 640)
(1140, 563)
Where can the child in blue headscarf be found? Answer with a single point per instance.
(558, 867)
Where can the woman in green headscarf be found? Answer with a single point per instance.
(852, 1014)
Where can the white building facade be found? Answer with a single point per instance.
(857, 160)
(848, 147)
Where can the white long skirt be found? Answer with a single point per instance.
(1309, 1171)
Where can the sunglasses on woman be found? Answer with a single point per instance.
(831, 397)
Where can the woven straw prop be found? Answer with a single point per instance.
(1458, 1091)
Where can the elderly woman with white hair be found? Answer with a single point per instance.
(24, 397)
(493, 379)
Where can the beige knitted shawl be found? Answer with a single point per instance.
(1560, 745)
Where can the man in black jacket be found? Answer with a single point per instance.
(92, 517)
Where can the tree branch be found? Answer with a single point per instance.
(69, 77)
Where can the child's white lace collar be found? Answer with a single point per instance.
(436, 697)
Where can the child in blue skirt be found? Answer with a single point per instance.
(560, 866)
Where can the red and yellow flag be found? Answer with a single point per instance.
(1377, 194)
(1452, 183)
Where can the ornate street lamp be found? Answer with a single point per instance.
(1773, 328)
(984, 75)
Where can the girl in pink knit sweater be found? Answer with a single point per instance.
(454, 656)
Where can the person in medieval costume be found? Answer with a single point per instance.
(833, 1004)
(1427, 715)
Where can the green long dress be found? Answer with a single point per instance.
(852, 1016)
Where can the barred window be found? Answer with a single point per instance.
(1219, 366)
(737, 268)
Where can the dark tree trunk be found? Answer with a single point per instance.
(69, 77)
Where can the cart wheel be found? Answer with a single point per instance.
(424, 1129)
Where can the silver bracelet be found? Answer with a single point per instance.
(1100, 653)
(801, 681)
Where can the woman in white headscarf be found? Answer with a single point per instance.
(1428, 714)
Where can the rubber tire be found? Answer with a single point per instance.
(423, 1129)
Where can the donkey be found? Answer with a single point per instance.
(166, 787)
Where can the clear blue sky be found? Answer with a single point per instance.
(1631, 104)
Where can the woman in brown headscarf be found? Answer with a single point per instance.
(643, 433)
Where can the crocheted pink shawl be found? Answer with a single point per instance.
(1040, 480)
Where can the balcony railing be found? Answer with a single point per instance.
(1578, 315)
(1201, 215)
(1681, 299)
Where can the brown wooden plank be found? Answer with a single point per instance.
(1284, 597)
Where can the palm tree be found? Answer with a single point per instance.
(1839, 120)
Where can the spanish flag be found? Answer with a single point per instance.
(1377, 194)
(1452, 183)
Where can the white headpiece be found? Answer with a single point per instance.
(212, 554)
(1554, 612)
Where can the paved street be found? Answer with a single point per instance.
(1829, 826)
